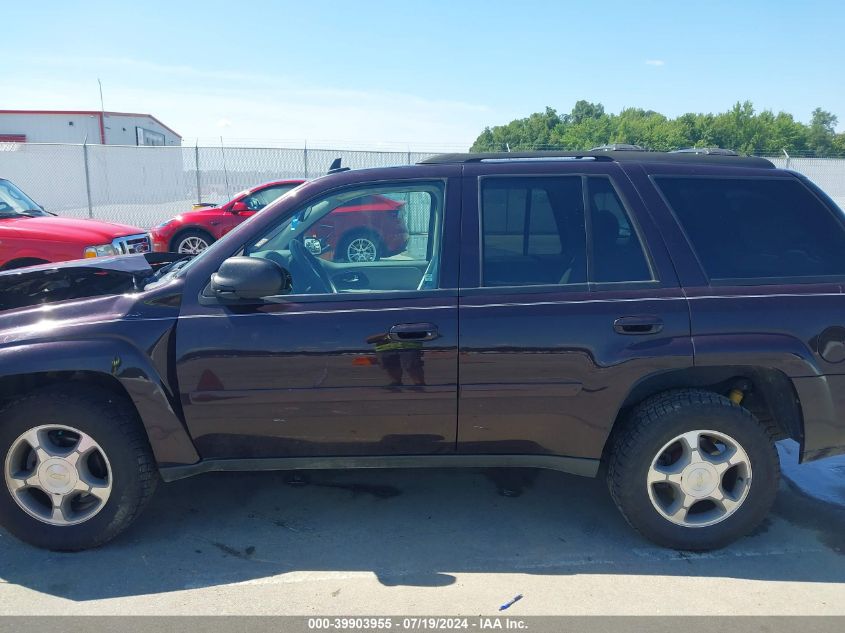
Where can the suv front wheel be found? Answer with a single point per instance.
(691, 470)
(77, 467)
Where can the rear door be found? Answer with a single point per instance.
(568, 299)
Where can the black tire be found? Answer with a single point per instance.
(341, 253)
(654, 423)
(112, 422)
(189, 234)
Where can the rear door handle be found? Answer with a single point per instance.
(404, 332)
(646, 324)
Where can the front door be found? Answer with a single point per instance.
(563, 309)
(360, 360)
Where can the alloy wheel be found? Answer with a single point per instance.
(699, 478)
(361, 249)
(192, 245)
(58, 474)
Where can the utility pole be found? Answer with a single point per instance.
(102, 113)
(102, 107)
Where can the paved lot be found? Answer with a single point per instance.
(422, 542)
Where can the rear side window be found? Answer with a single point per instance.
(757, 228)
(535, 232)
(617, 253)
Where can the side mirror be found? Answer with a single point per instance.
(250, 278)
(313, 245)
(239, 206)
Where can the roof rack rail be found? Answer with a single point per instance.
(508, 156)
(619, 156)
(706, 151)
(619, 147)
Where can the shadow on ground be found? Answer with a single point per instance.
(409, 527)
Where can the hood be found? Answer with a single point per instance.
(75, 230)
(203, 211)
(78, 279)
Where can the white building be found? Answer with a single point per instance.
(79, 126)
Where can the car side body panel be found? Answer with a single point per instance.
(121, 337)
(795, 328)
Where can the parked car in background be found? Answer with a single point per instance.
(29, 235)
(363, 230)
(192, 232)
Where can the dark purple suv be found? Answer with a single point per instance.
(659, 319)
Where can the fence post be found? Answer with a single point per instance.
(305, 157)
(197, 165)
(225, 170)
(787, 157)
(87, 176)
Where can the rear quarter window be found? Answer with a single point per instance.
(757, 228)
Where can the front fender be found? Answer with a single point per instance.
(117, 358)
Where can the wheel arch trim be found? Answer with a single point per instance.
(112, 362)
(770, 392)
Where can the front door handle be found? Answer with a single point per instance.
(647, 324)
(407, 332)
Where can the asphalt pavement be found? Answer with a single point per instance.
(423, 542)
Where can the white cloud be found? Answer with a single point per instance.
(655, 62)
(205, 103)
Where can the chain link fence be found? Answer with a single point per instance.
(827, 173)
(144, 186)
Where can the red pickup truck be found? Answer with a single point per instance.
(29, 235)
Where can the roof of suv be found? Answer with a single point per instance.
(603, 155)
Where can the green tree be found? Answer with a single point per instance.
(822, 132)
(741, 128)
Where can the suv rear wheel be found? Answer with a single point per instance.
(692, 470)
(77, 467)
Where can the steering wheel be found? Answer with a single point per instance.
(317, 279)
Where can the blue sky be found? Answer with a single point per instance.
(423, 74)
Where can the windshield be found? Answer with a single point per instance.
(15, 202)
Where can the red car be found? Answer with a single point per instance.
(30, 236)
(365, 229)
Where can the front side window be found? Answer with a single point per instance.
(364, 239)
(743, 228)
(534, 233)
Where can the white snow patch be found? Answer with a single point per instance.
(823, 479)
